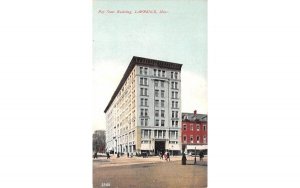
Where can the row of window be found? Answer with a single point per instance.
(144, 70)
(162, 93)
(174, 123)
(144, 102)
(162, 103)
(162, 123)
(192, 127)
(175, 114)
(192, 139)
(174, 95)
(158, 73)
(174, 104)
(144, 92)
(162, 83)
(144, 112)
(144, 81)
(145, 122)
(174, 85)
(174, 75)
(162, 113)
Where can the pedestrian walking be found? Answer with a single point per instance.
(183, 159)
(201, 156)
(168, 156)
(107, 155)
(127, 154)
(95, 155)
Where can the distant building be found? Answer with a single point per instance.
(144, 113)
(99, 144)
(194, 132)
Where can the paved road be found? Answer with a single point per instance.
(148, 172)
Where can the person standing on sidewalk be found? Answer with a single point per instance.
(201, 156)
(168, 156)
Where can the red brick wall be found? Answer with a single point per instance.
(188, 132)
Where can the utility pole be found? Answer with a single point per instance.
(195, 157)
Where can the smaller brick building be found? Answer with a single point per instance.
(194, 132)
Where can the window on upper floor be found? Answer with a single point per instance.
(162, 123)
(157, 122)
(156, 113)
(162, 113)
(156, 93)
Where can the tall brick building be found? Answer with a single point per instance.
(194, 132)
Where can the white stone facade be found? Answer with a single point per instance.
(144, 114)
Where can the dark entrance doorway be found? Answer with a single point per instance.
(160, 146)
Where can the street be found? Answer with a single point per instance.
(149, 172)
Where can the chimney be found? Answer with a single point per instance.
(195, 112)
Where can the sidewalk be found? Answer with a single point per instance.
(124, 161)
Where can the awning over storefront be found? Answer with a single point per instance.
(198, 147)
(175, 147)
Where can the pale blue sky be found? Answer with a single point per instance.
(178, 36)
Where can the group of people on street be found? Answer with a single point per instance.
(165, 155)
(184, 159)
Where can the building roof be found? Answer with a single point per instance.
(192, 117)
(144, 62)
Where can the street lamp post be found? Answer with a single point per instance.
(195, 157)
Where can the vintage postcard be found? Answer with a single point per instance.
(150, 93)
